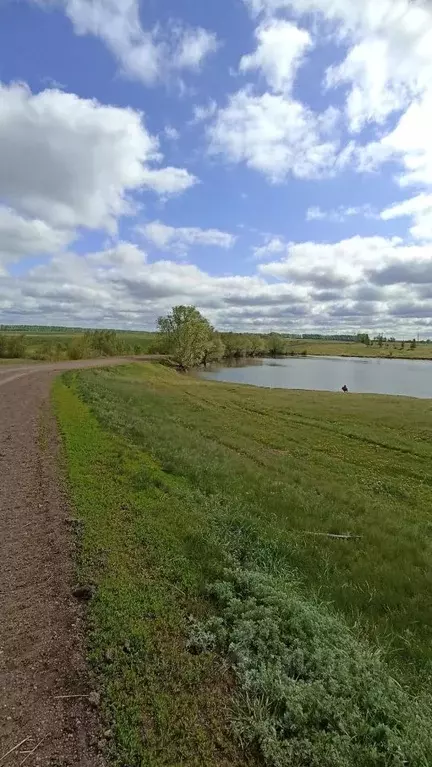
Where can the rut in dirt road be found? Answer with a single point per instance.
(41, 649)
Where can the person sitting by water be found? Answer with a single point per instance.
(345, 388)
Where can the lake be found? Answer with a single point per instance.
(412, 378)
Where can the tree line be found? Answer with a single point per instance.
(190, 340)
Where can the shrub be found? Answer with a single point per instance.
(16, 346)
(311, 695)
(79, 348)
(3, 345)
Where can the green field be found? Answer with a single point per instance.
(228, 627)
(422, 350)
(51, 344)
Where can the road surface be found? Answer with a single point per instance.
(42, 671)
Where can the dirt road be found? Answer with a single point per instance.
(41, 652)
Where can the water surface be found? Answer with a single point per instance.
(412, 378)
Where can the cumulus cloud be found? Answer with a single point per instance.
(419, 209)
(388, 59)
(350, 285)
(281, 47)
(179, 239)
(148, 55)
(409, 143)
(74, 162)
(21, 237)
(275, 135)
(272, 246)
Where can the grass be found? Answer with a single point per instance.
(227, 628)
(52, 346)
(390, 349)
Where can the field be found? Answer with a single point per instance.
(229, 627)
(52, 344)
(422, 350)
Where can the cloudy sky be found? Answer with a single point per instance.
(269, 161)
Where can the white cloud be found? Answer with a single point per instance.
(148, 55)
(331, 265)
(193, 46)
(389, 57)
(73, 162)
(339, 215)
(389, 50)
(179, 239)
(362, 283)
(201, 113)
(167, 181)
(266, 7)
(171, 133)
(271, 246)
(281, 47)
(410, 144)
(21, 237)
(419, 209)
(274, 135)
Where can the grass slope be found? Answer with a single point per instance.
(204, 507)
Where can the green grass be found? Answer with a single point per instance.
(205, 509)
(52, 345)
(389, 349)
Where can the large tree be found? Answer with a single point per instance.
(187, 336)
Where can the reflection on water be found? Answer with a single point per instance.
(412, 378)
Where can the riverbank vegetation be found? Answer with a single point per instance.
(190, 341)
(52, 344)
(262, 564)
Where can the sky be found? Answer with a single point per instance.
(269, 161)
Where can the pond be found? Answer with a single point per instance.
(412, 378)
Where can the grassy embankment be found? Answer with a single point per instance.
(224, 614)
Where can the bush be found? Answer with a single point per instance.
(15, 346)
(103, 342)
(3, 345)
(311, 695)
(79, 348)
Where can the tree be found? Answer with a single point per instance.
(277, 345)
(363, 338)
(186, 336)
(214, 351)
(413, 344)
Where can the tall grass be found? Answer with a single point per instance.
(206, 511)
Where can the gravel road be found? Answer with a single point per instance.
(41, 647)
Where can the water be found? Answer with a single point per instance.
(412, 378)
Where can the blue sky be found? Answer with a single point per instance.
(269, 161)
